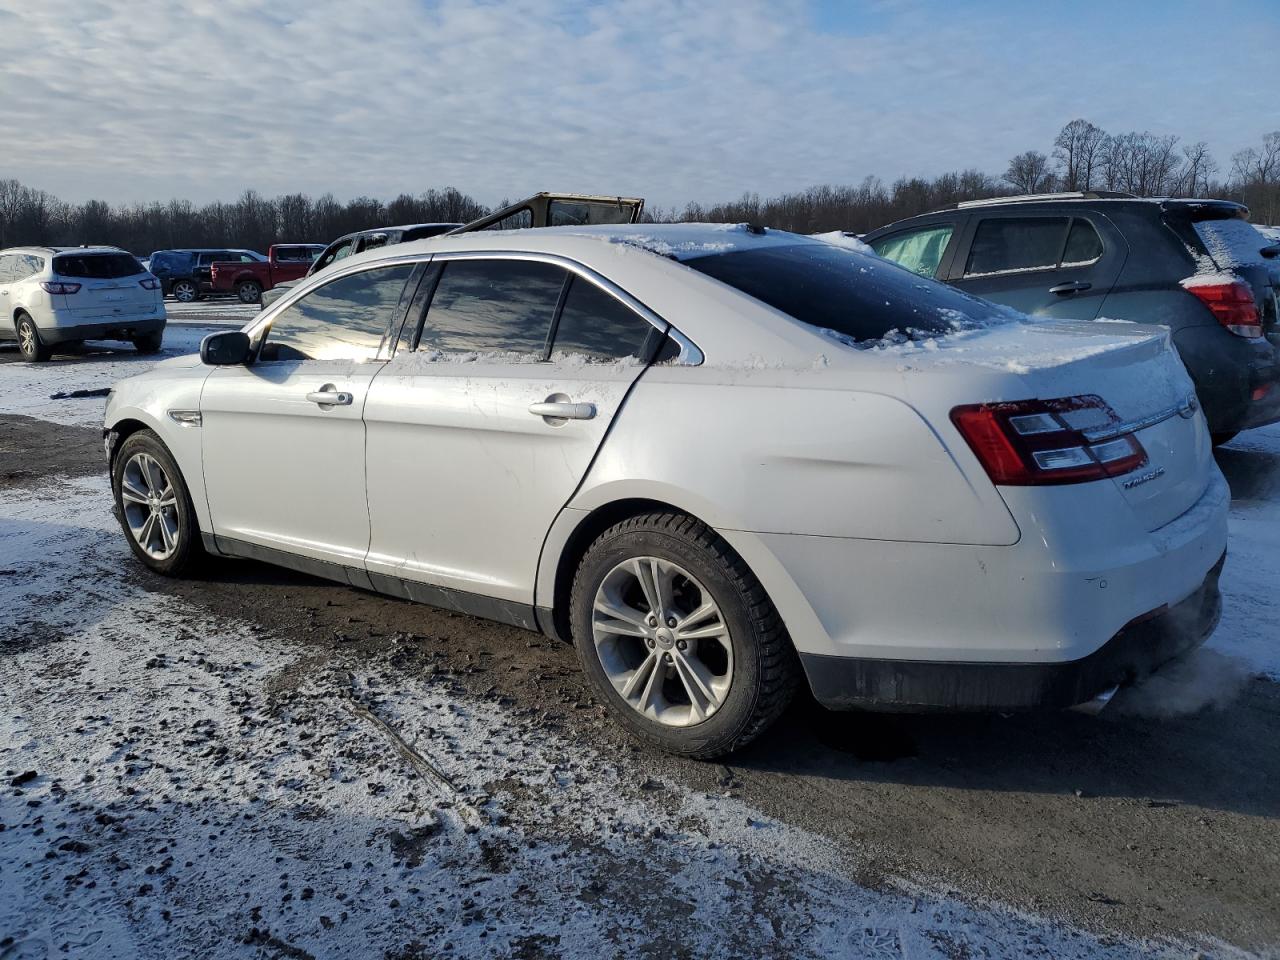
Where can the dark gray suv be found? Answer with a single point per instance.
(1195, 266)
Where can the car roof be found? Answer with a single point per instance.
(675, 241)
(35, 248)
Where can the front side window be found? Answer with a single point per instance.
(7, 263)
(96, 266)
(1011, 244)
(920, 251)
(343, 249)
(520, 220)
(493, 305)
(343, 320)
(596, 324)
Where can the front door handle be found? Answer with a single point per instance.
(327, 396)
(560, 410)
(1071, 286)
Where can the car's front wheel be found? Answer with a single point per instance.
(249, 291)
(33, 349)
(185, 291)
(678, 637)
(153, 504)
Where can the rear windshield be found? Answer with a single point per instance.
(854, 295)
(1232, 242)
(97, 266)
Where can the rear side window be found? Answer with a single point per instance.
(596, 324)
(1016, 243)
(1083, 244)
(7, 263)
(920, 251)
(96, 266)
(851, 294)
(493, 305)
(342, 320)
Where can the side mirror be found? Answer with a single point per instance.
(225, 349)
(1271, 252)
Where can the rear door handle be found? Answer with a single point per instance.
(1071, 286)
(327, 396)
(563, 411)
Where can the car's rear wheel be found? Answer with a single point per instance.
(185, 291)
(153, 505)
(149, 343)
(34, 350)
(678, 637)
(249, 291)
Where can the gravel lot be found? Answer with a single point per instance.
(252, 763)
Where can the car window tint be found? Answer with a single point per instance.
(1016, 243)
(1083, 244)
(519, 220)
(920, 251)
(343, 320)
(577, 213)
(493, 305)
(597, 324)
(97, 266)
(853, 294)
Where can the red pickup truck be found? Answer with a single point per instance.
(285, 262)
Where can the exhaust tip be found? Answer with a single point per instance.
(1097, 704)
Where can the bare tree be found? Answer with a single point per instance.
(1076, 151)
(1198, 166)
(1029, 172)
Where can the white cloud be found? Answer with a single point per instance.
(671, 99)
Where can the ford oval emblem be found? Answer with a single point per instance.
(1187, 409)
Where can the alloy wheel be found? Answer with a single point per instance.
(27, 337)
(184, 292)
(663, 641)
(150, 505)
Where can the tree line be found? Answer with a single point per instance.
(1082, 157)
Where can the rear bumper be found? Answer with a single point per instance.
(111, 330)
(1141, 646)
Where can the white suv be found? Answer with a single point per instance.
(52, 295)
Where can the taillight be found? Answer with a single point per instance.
(1231, 302)
(1032, 442)
(149, 283)
(60, 286)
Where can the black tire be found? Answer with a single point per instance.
(149, 343)
(185, 291)
(1225, 437)
(249, 291)
(188, 548)
(765, 668)
(33, 349)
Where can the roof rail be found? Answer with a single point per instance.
(1032, 197)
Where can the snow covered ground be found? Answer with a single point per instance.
(177, 784)
(181, 786)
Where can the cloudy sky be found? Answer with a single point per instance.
(673, 100)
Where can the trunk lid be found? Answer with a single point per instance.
(1135, 370)
(109, 284)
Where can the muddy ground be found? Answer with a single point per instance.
(1126, 823)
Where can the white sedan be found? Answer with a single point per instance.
(721, 460)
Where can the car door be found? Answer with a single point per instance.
(478, 438)
(8, 263)
(1043, 264)
(283, 437)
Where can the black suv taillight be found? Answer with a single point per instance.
(1034, 442)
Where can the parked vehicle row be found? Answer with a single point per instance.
(186, 274)
(1195, 266)
(917, 502)
(285, 262)
(59, 295)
